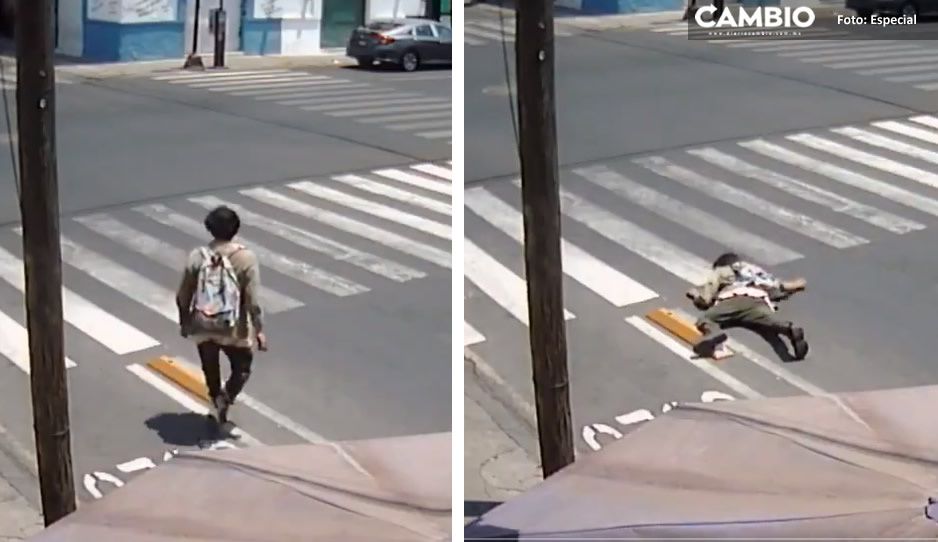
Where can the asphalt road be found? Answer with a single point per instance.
(673, 150)
(356, 257)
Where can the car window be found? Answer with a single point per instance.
(424, 31)
(444, 32)
(383, 26)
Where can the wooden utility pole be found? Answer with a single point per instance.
(540, 194)
(39, 208)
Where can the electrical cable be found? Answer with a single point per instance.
(511, 95)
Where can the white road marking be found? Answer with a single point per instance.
(273, 90)
(688, 216)
(299, 96)
(442, 115)
(318, 243)
(356, 102)
(815, 46)
(415, 180)
(498, 282)
(882, 53)
(133, 285)
(167, 255)
(335, 220)
(346, 97)
(300, 271)
(888, 143)
(110, 478)
(435, 135)
(14, 344)
(590, 432)
(382, 189)
(684, 353)
(435, 170)
(636, 416)
(425, 105)
(184, 399)
(257, 82)
(425, 125)
(809, 192)
(141, 463)
(898, 69)
(786, 218)
(850, 178)
(606, 282)
(470, 335)
(212, 75)
(921, 134)
(714, 396)
(91, 486)
(914, 78)
(883, 62)
(926, 120)
(669, 257)
(929, 86)
(443, 231)
(118, 336)
(867, 159)
(480, 33)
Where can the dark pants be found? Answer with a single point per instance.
(240, 359)
(745, 312)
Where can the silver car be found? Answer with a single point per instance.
(409, 43)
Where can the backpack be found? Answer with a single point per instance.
(752, 275)
(216, 305)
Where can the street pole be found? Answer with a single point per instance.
(540, 194)
(194, 60)
(39, 208)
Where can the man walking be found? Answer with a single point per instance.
(219, 308)
(741, 294)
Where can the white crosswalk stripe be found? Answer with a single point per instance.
(625, 220)
(784, 181)
(122, 266)
(897, 61)
(479, 31)
(361, 102)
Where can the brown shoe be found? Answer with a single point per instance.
(798, 344)
(706, 347)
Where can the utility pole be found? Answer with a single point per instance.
(39, 209)
(194, 60)
(540, 194)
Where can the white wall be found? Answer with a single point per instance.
(384, 9)
(71, 28)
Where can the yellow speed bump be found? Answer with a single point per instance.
(676, 325)
(183, 376)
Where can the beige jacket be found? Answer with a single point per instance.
(251, 318)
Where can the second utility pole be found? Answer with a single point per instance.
(39, 209)
(540, 194)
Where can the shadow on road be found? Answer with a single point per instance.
(180, 429)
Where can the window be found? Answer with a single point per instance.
(424, 31)
(445, 33)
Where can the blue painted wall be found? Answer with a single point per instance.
(260, 36)
(600, 7)
(115, 42)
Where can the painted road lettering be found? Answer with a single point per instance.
(591, 432)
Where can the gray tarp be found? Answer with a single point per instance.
(378, 490)
(851, 465)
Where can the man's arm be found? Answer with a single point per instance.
(252, 287)
(705, 294)
(185, 291)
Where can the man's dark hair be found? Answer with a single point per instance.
(726, 259)
(223, 223)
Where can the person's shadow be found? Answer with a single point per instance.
(181, 428)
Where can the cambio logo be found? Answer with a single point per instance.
(761, 17)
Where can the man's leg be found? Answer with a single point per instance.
(241, 360)
(761, 318)
(711, 324)
(208, 354)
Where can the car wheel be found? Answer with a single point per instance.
(365, 61)
(410, 61)
(909, 9)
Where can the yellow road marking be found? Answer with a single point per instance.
(183, 376)
(674, 324)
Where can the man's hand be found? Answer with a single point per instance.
(262, 342)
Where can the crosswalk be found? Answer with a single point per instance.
(494, 29)
(901, 61)
(400, 111)
(335, 238)
(836, 189)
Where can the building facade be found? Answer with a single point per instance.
(127, 30)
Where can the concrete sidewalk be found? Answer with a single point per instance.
(500, 447)
(18, 519)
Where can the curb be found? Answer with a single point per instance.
(490, 381)
(233, 61)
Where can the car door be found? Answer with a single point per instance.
(428, 45)
(445, 35)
